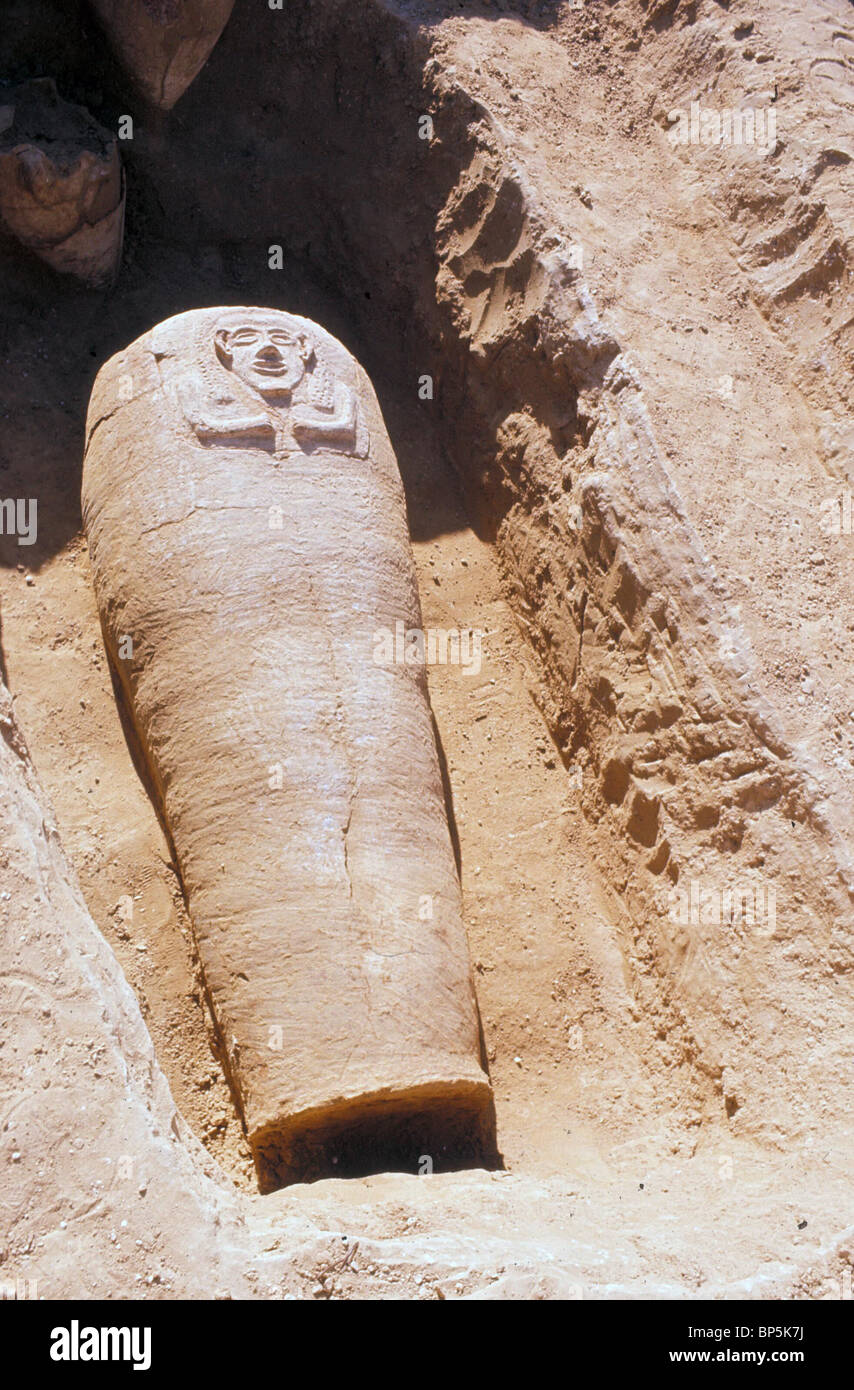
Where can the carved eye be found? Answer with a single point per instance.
(281, 339)
(243, 336)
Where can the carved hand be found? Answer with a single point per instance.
(310, 424)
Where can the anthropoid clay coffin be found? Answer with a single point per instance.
(248, 540)
(163, 44)
(62, 192)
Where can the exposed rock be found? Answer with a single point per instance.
(248, 537)
(164, 44)
(61, 182)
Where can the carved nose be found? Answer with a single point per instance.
(269, 352)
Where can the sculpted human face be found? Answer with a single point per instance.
(269, 359)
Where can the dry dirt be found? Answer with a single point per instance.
(671, 1107)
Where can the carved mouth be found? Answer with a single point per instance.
(266, 368)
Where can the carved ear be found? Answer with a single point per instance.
(221, 346)
(306, 349)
